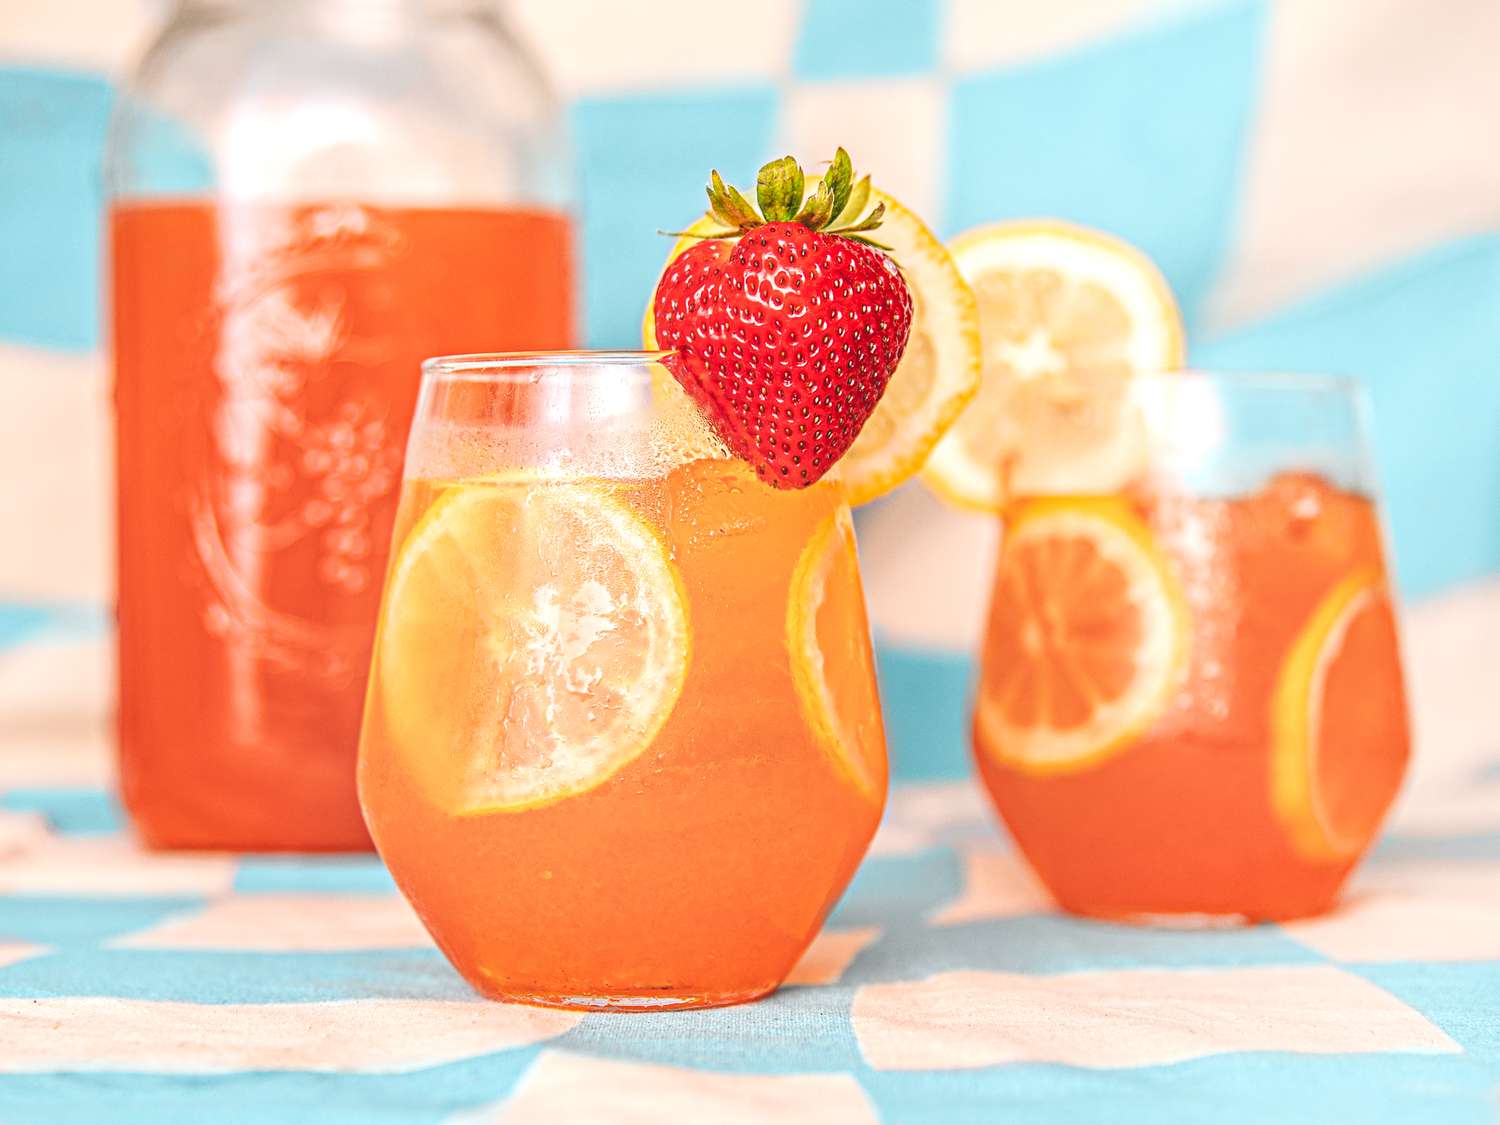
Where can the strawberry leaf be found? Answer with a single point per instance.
(779, 188)
(840, 181)
(818, 209)
(869, 222)
(701, 235)
(854, 205)
(729, 206)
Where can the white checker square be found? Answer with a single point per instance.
(1370, 143)
(59, 492)
(13, 953)
(112, 866)
(292, 923)
(375, 1035)
(592, 48)
(1132, 1018)
(78, 33)
(918, 817)
(928, 569)
(1412, 912)
(830, 954)
(562, 1088)
(985, 34)
(894, 129)
(997, 884)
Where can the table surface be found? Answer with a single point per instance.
(139, 987)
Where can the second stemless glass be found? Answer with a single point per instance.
(1191, 698)
(622, 745)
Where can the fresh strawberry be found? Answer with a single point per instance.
(787, 325)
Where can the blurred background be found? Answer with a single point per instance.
(1316, 178)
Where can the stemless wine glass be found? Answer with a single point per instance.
(1191, 698)
(622, 746)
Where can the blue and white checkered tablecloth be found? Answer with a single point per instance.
(162, 988)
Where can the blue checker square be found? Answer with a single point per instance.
(24, 622)
(1142, 135)
(904, 888)
(429, 1096)
(67, 921)
(52, 127)
(69, 811)
(20, 622)
(867, 39)
(1445, 993)
(218, 977)
(641, 174)
(926, 698)
(1247, 1089)
(1420, 335)
(793, 1031)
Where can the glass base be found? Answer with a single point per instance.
(1204, 920)
(663, 1001)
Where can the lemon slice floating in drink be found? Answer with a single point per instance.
(1066, 315)
(536, 634)
(938, 373)
(826, 615)
(1342, 675)
(1088, 636)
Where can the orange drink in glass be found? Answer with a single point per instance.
(622, 746)
(263, 388)
(1191, 698)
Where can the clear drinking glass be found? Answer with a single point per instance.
(622, 746)
(1191, 697)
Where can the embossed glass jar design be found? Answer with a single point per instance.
(307, 198)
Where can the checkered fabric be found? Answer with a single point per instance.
(140, 987)
(1315, 179)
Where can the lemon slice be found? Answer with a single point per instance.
(1088, 636)
(533, 641)
(828, 639)
(1339, 741)
(1066, 316)
(938, 373)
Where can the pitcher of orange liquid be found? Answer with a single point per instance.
(307, 198)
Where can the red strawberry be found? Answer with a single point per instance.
(786, 328)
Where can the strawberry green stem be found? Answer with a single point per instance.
(837, 204)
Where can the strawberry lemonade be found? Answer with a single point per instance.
(622, 744)
(1190, 698)
(1193, 705)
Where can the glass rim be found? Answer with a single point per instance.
(497, 367)
(536, 366)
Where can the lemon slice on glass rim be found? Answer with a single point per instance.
(938, 373)
(1067, 315)
(534, 640)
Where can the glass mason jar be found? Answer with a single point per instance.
(307, 198)
(622, 744)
